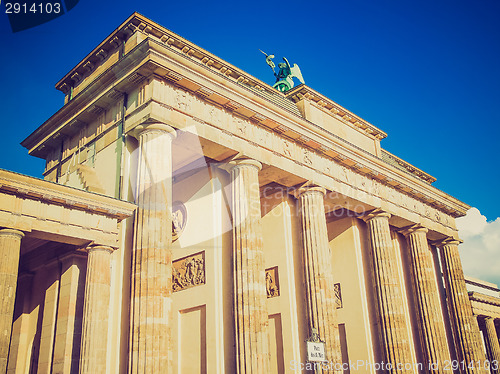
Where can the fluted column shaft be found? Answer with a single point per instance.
(96, 311)
(66, 353)
(464, 326)
(320, 296)
(151, 285)
(430, 325)
(393, 331)
(493, 344)
(10, 248)
(250, 297)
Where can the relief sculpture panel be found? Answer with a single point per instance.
(188, 272)
(272, 283)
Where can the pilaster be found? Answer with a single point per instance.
(151, 285)
(10, 248)
(319, 285)
(96, 311)
(464, 326)
(250, 298)
(430, 325)
(391, 316)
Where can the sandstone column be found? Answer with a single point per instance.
(49, 317)
(493, 344)
(96, 310)
(10, 248)
(21, 337)
(151, 284)
(319, 284)
(430, 325)
(250, 297)
(391, 316)
(69, 313)
(464, 326)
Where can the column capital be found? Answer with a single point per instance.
(239, 161)
(447, 241)
(143, 128)
(412, 229)
(376, 213)
(12, 232)
(98, 247)
(308, 189)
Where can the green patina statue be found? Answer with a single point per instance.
(285, 74)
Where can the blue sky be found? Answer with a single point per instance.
(426, 72)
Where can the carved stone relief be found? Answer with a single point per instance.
(427, 212)
(214, 114)
(188, 272)
(404, 203)
(343, 174)
(438, 216)
(183, 100)
(241, 126)
(338, 295)
(327, 170)
(287, 148)
(179, 219)
(264, 138)
(272, 282)
(307, 157)
(447, 219)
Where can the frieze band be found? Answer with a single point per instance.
(188, 272)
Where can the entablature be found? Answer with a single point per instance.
(154, 59)
(484, 305)
(189, 113)
(482, 298)
(30, 188)
(240, 102)
(50, 212)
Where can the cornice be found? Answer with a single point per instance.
(88, 104)
(138, 23)
(482, 283)
(86, 66)
(482, 298)
(405, 166)
(335, 110)
(36, 189)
